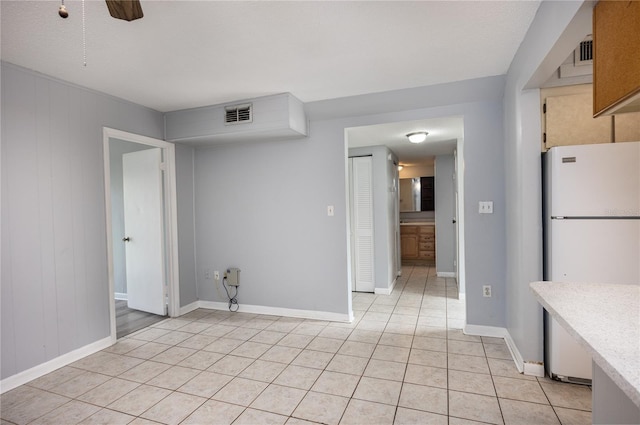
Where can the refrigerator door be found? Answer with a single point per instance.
(601, 250)
(595, 180)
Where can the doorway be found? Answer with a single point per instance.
(141, 220)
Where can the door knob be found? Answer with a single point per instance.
(127, 239)
(454, 221)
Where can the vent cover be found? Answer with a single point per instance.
(238, 114)
(583, 55)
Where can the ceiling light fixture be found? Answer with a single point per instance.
(417, 136)
(400, 167)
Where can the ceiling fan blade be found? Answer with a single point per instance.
(128, 10)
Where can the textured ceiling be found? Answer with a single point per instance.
(185, 54)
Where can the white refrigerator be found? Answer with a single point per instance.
(592, 233)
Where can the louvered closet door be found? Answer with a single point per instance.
(362, 223)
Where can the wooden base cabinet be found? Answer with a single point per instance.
(418, 242)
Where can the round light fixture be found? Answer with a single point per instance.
(400, 167)
(417, 136)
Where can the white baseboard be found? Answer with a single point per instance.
(189, 308)
(515, 353)
(386, 291)
(534, 369)
(446, 274)
(479, 330)
(278, 311)
(28, 375)
(120, 296)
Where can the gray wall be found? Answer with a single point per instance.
(262, 206)
(186, 229)
(384, 225)
(116, 149)
(445, 205)
(54, 285)
(551, 37)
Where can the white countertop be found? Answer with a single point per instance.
(605, 319)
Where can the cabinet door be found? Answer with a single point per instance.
(569, 121)
(361, 200)
(409, 246)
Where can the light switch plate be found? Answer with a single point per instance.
(330, 210)
(485, 207)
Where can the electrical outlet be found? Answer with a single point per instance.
(486, 290)
(330, 210)
(216, 275)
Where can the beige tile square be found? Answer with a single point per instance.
(428, 358)
(336, 383)
(149, 334)
(171, 324)
(431, 331)
(359, 411)
(142, 421)
(201, 360)
(519, 389)
(230, 365)
(279, 399)
(145, 371)
(298, 377)
(284, 325)
(243, 334)
(198, 342)
(384, 369)
(262, 370)
(268, 337)
(492, 340)
(174, 408)
(205, 384)
(308, 329)
(475, 407)
(573, 417)
(107, 393)
(371, 325)
(439, 322)
(335, 332)
(466, 348)
(123, 346)
(465, 363)
(425, 398)
(214, 412)
(362, 335)
(427, 343)
(381, 308)
(173, 355)
(219, 330)
(327, 345)
(80, 384)
(296, 341)
(568, 395)
(322, 408)
(70, 413)
(406, 416)
(519, 412)
(460, 421)
(259, 417)
(223, 345)
(173, 378)
(378, 390)
(148, 350)
(426, 375)
(107, 363)
(24, 404)
(396, 340)
(240, 391)
(459, 335)
(56, 377)
(173, 338)
(507, 368)
(469, 382)
(195, 327)
(252, 350)
(348, 364)
(400, 328)
(394, 354)
(281, 354)
(315, 359)
(139, 400)
(107, 417)
(498, 351)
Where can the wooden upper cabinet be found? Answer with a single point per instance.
(616, 62)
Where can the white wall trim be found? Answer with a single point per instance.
(386, 291)
(278, 311)
(120, 296)
(42, 369)
(189, 308)
(528, 368)
(446, 274)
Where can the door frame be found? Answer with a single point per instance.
(170, 217)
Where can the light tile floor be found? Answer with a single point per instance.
(404, 360)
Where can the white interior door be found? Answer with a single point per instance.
(144, 236)
(361, 178)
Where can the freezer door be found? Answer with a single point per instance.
(600, 251)
(595, 180)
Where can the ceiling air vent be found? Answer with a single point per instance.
(584, 52)
(580, 63)
(238, 114)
